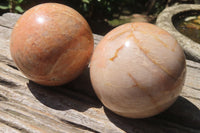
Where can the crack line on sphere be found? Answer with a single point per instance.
(149, 57)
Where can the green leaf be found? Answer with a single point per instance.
(109, 9)
(17, 1)
(85, 7)
(86, 1)
(20, 1)
(4, 7)
(19, 9)
(9, 6)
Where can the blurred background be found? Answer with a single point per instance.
(103, 15)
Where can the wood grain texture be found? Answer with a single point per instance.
(27, 107)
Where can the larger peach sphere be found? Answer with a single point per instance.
(137, 70)
(51, 44)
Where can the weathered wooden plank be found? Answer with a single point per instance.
(7, 129)
(74, 107)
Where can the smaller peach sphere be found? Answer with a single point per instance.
(138, 70)
(51, 44)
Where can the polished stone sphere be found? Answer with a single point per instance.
(137, 70)
(51, 44)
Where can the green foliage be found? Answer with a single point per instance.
(12, 5)
(158, 7)
(116, 22)
(98, 13)
(106, 14)
(93, 9)
(111, 9)
(19, 9)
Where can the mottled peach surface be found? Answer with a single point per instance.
(137, 70)
(51, 44)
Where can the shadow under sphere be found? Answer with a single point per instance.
(181, 117)
(77, 94)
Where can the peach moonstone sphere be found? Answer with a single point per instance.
(51, 44)
(137, 70)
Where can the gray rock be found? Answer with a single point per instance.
(164, 20)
